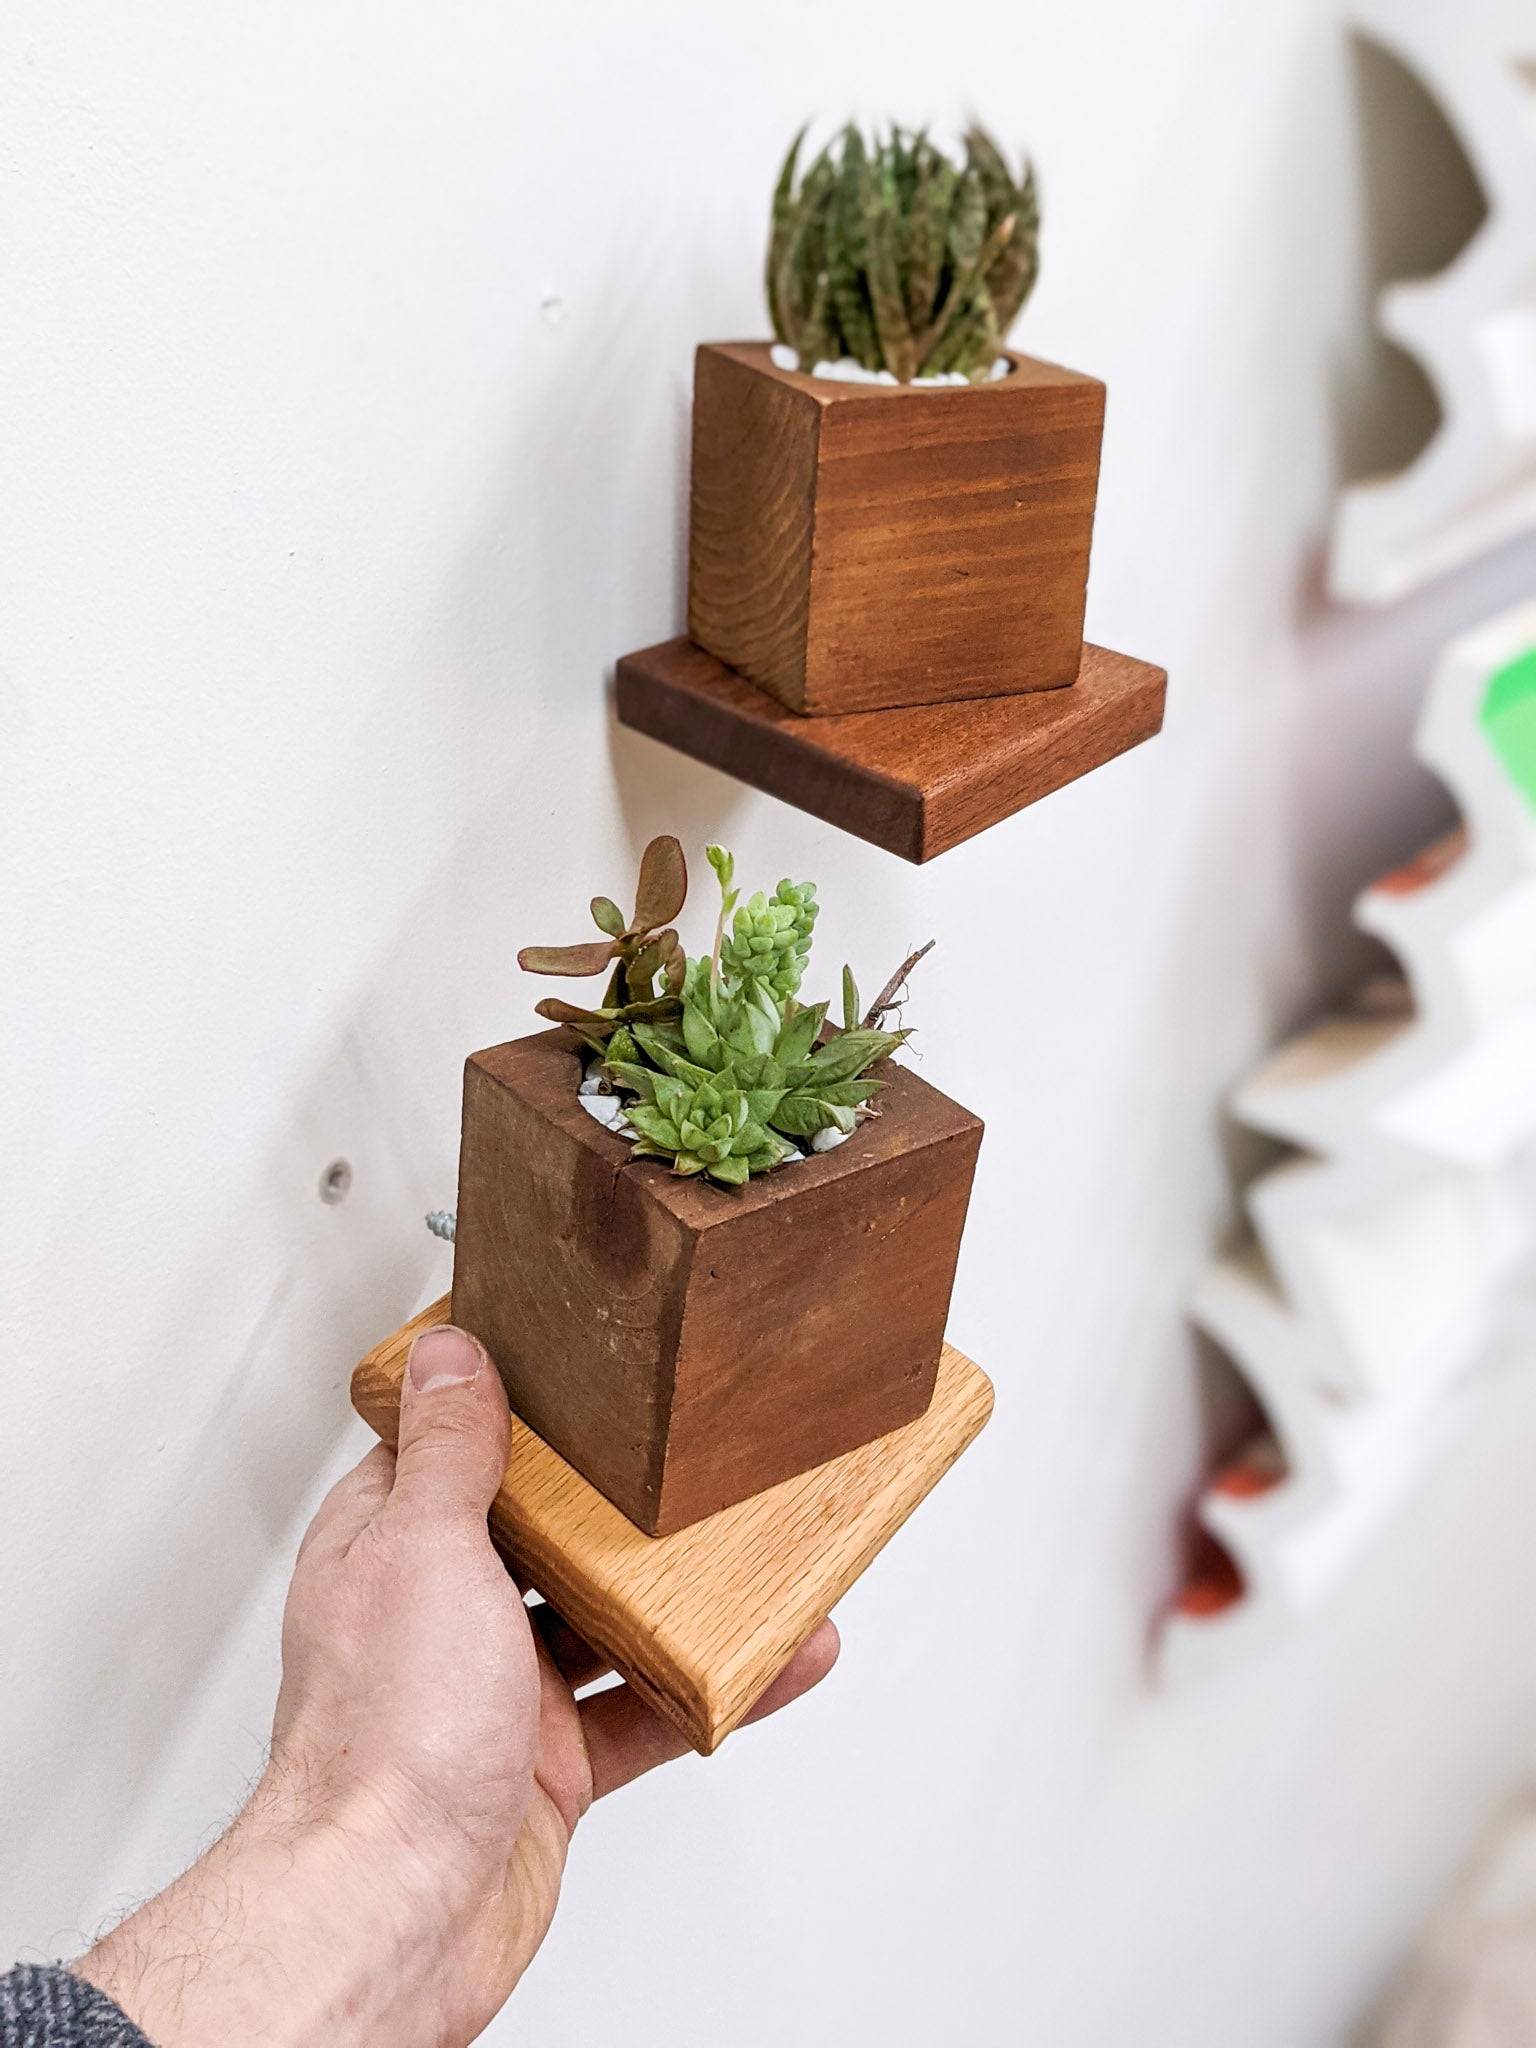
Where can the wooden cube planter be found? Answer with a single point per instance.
(683, 1346)
(857, 547)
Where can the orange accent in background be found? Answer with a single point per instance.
(1214, 1581)
(1252, 1472)
(1425, 867)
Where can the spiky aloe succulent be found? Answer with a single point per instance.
(890, 253)
(727, 1072)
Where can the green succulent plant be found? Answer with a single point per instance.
(703, 1124)
(769, 942)
(889, 252)
(729, 1073)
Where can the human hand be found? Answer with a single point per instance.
(399, 1862)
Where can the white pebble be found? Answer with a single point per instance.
(824, 1141)
(591, 1083)
(607, 1109)
(847, 371)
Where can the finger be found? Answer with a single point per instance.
(572, 1655)
(809, 1666)
(625, 1738)
(352, 1502)
(454, 1427)
(564, 1769)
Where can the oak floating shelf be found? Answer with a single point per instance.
(917, 780)
(700, 1623)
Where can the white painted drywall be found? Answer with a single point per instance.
(345, 377)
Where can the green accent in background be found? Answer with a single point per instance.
(1508, 719)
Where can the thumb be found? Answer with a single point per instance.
(455, 1431)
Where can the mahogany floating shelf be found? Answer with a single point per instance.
(916, 781)
(700, 1623)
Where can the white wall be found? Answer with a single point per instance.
(320, 531)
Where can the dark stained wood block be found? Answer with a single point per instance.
(685, 1346)
(859, 546)
(917, 781)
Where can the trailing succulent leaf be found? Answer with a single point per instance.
(729, 1072)
(644, 952)
(889, 253)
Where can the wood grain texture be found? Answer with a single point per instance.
(700, 1623)
(685, 1346)
(856, 547)
(755, 450)
(915, 781)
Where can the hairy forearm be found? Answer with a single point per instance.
(340, 1925)
(275, 1936)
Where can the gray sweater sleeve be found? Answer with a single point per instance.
(45, 2007)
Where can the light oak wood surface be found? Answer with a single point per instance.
(701, 1622)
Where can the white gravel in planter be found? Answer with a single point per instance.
(824, 1141)
(607, 1109)
(846, 371)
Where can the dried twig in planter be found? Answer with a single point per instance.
(888, 998)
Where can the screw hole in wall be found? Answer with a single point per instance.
(335, 1182)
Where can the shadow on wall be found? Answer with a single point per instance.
(656, 787)
(1422, 204)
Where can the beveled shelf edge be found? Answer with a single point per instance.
(915, 781)
(701, 1622)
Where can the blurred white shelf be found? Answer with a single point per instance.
(1472, 327)
(1387, 1247)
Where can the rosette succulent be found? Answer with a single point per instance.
(703, 1125)
(725, 1072)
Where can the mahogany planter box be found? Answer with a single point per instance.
(685, 1346)
(860, 546)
